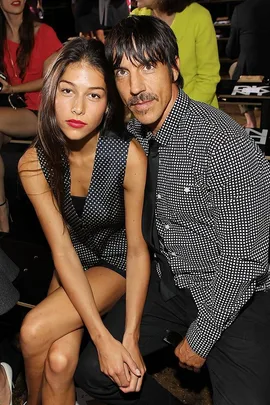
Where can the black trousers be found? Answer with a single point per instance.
(238, 364)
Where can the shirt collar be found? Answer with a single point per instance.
(171, 123)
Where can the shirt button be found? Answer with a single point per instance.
(167, 226)
(159, 196)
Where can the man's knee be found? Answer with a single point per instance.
(90, 378)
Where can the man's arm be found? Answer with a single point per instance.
(239, 183)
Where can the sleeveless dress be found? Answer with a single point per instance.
(98, 235)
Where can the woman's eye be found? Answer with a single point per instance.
(66, 91)
(94, 95)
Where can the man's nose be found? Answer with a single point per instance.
(136, 83)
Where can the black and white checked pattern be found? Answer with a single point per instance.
(99, 234)
(213, 213)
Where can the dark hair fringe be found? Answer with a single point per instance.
(27, 41)
(50, 137)
(143, 39)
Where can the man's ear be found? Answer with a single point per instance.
(176, 71)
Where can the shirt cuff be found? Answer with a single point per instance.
(201, 339)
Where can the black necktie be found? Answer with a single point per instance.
(150, 233)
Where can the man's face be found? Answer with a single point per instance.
(147, 90)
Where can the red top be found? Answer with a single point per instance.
(46, 43)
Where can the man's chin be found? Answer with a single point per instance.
(144, 117)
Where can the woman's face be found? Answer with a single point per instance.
(12, 6)
(147, 3)
(81, 100)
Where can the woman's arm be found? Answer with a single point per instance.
(29, 87)
(112, 353)
(67, 263)
(138, 261)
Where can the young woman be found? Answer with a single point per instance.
(85, 178)
(196, 38)
(25, 46)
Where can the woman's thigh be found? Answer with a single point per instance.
(56, 316)
(18, 123)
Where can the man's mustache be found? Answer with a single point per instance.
(141, 98)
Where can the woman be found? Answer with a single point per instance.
(193, 27)
(25, 46)
(85, 178)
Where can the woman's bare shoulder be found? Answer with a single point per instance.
(29, 161)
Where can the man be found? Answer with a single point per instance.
(210, 237)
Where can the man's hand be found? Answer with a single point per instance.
(135, 381)
(187, 357)
(116, 362)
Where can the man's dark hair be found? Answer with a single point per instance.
(172, 6)
(143, 39)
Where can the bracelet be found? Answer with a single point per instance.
(3, 203)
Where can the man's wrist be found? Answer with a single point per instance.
(200, 341)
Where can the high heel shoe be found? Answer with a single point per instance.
(8, 371)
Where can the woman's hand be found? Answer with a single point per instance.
(6, 87)
(131, 344)
(116, 362)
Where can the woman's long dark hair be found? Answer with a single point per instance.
(50, 137)
(27, 40)
(173, 6)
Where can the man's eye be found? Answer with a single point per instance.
(120, 73)
(148, 67)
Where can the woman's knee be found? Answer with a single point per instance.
(32, 334)
(60, 361)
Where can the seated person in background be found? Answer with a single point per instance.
(206, 220)
(250, 28)
(93, 17)
(25, 45)
(196, 38)
(85, 177)
(8, 298)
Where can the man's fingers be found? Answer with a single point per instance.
(127, 372)
(132, 365)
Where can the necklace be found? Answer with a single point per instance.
(12, 62)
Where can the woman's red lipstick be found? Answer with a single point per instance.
(76, 123)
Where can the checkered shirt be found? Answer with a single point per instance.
(212, 213)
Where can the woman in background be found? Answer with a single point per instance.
(194, 30)
(25, 48)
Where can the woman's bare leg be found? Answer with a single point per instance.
(4, 212)
(18, 123)
(48, 322)
(58, 386)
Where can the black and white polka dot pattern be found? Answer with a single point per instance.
(213, 213)
(99, 234)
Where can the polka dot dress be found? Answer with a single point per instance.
(99, 234)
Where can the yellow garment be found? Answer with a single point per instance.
(197, 43)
